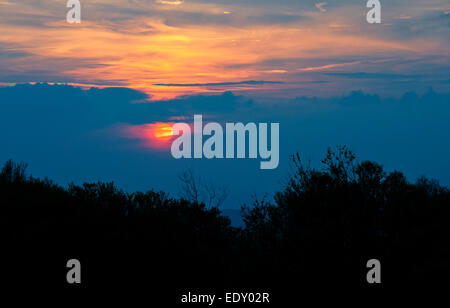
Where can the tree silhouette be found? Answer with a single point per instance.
(318, 231)
(329, 222)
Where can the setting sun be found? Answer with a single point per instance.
(163, 131)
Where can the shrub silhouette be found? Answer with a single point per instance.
(329, 223)
(319, 231)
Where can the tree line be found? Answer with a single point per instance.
(318, 231)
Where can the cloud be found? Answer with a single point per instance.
(402, 16)
(246, 82)
(430, 24)
(173, 2)
(69, 133)
(11, 53)
(325, 67)
(140, 44)
(320, 6)
(282, 18)
(365, 75)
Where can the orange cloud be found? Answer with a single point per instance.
(143, 52)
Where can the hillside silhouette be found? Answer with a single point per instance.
(319, 231)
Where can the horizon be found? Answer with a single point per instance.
(94, 142)
(133, 69)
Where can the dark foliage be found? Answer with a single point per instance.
(319, 231)
(325, 225)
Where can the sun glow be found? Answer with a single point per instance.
(153, 135)
(163, 131)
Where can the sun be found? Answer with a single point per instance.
(163, 131)
(152, 135)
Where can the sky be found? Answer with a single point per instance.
(95, 100)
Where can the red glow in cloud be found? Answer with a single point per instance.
(155, 135)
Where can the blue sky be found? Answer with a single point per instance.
(77, 99)
(71, 134)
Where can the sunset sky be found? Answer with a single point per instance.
(307, 47)
(132, 68)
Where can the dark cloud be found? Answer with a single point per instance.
(14, 63)
(30, 20)
(365, 75)
(8, 54)
(65, 132)
(43, 76)
(277, 18)
(433, 23)
(102, 107)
